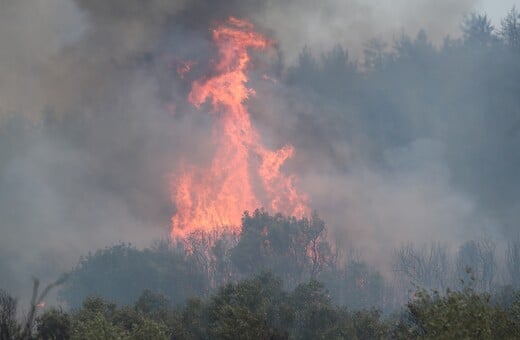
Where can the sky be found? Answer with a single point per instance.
(496, 9)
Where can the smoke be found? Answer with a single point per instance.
(375, 210)
(64, 53)
(372, 206)
(322, 25)
(31, 34)
(95, 120)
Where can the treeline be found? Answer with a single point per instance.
(260, 308)
(297, 251)
(462, 94)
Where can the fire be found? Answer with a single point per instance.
(244, 174)
(184, 67)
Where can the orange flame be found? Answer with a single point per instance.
(244, 174)
(184, 67)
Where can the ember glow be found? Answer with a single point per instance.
(244, 174)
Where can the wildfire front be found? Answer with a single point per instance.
(243, 174)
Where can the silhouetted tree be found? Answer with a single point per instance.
(513, 263)
(424, 267)
(478, 31)
(9, 327)
(375, 54)
(295, 249)
(53, 324)
(510, 29)
(122, 272)
(476, 264)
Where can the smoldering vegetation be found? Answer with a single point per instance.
(406, 142)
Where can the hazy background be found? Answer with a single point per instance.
(94, 122)
(495, 9)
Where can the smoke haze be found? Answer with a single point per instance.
(94, 122)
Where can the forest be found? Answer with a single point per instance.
(280, 279)
(412, 114)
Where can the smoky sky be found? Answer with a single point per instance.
(94, 123)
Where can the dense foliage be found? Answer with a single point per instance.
(296, 250)
(122, 272)
(260, 308)
(459, 315)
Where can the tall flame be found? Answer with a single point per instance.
(243, 175)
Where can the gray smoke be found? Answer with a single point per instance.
(95, 122)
